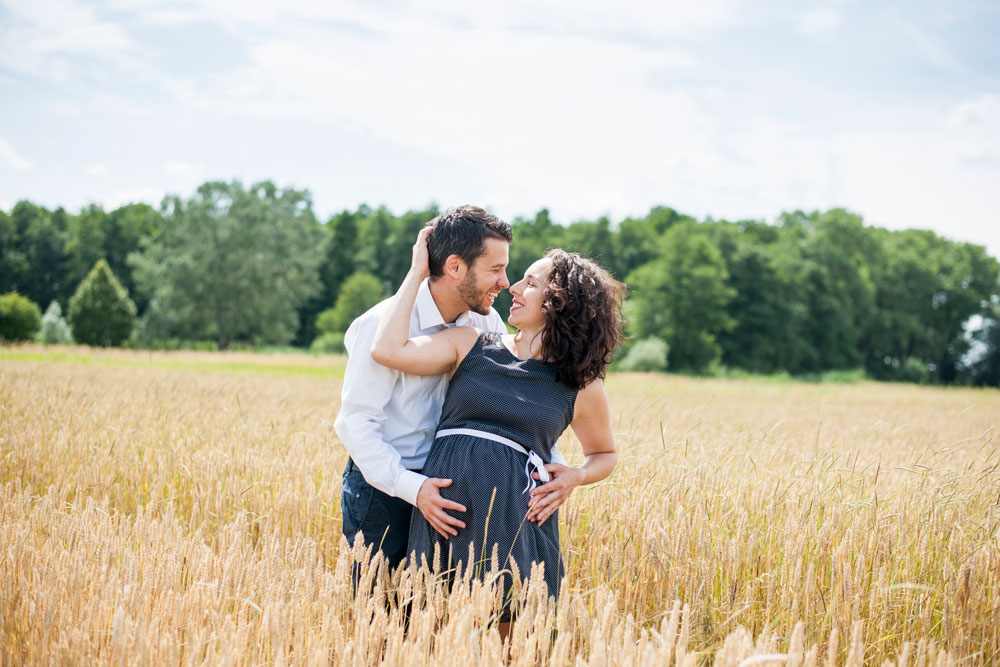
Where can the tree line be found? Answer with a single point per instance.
(804, 294)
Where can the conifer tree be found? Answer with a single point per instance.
(101, 312)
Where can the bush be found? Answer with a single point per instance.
(326, 322)
(54, 329)
(914, 370)
(19, 317)
(360, 292)
(100, 313)
(648, 354)
(329, 343)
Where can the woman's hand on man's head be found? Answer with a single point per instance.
(420, 262)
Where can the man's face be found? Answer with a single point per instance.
(486, 277)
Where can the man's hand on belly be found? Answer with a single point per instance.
(432, 505)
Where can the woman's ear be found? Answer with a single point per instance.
(455, 267)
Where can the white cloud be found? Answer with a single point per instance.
(168, 13)
(71, 46)
(11, 157)
(96, 169)
(43, 37)
(549, 117)
(975, 131)
(984, 110)
(821, 22)
(930, 48)
(899, 180)
(668, 17)
(184, 170)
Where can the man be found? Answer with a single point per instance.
(387, 418)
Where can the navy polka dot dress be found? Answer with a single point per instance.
(495, 392)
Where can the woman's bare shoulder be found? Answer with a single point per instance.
(463, 338)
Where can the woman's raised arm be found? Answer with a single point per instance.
(423, 355)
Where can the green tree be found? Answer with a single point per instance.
(13, 263)
(905, 285)
(927, 291)
(682, 297)
(374, 233)
(50, 259)
(86, 235)
(360, 292)
(19, 317)
(231, 264)
(593, 240)
(970, 280)
(101, 312)
(985, 366)
(767, 309)
(663, 218)
(124, 230)
(340, 250)
(32, 253)
(838, 255)
(399, 248)
(635, 244)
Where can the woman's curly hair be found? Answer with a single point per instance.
(583, 318)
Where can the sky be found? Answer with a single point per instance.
(716, 108)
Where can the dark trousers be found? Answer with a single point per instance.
(384, 520)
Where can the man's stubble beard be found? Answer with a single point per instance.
(472, 298)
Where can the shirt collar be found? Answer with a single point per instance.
(428, 313)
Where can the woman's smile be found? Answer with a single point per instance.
(528, 295)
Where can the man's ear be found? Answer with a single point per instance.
(455, 267)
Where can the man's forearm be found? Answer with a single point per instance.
(379, 463)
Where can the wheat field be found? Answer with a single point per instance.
(183, 509)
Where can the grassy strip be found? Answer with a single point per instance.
(325, 366)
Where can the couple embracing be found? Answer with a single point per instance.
(451, 423)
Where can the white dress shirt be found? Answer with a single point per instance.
(388, 418)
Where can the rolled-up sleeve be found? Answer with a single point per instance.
(367, 388)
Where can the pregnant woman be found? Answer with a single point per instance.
(509, 400)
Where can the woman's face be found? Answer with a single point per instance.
(529, 294)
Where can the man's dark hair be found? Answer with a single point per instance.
(463, 232)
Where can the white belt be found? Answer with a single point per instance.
(533, 458)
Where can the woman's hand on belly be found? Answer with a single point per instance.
(547, 498)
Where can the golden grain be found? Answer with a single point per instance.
(184, 509)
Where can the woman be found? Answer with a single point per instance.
(509, 399)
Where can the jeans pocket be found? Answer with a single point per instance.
(386, 526)
(355, 502)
